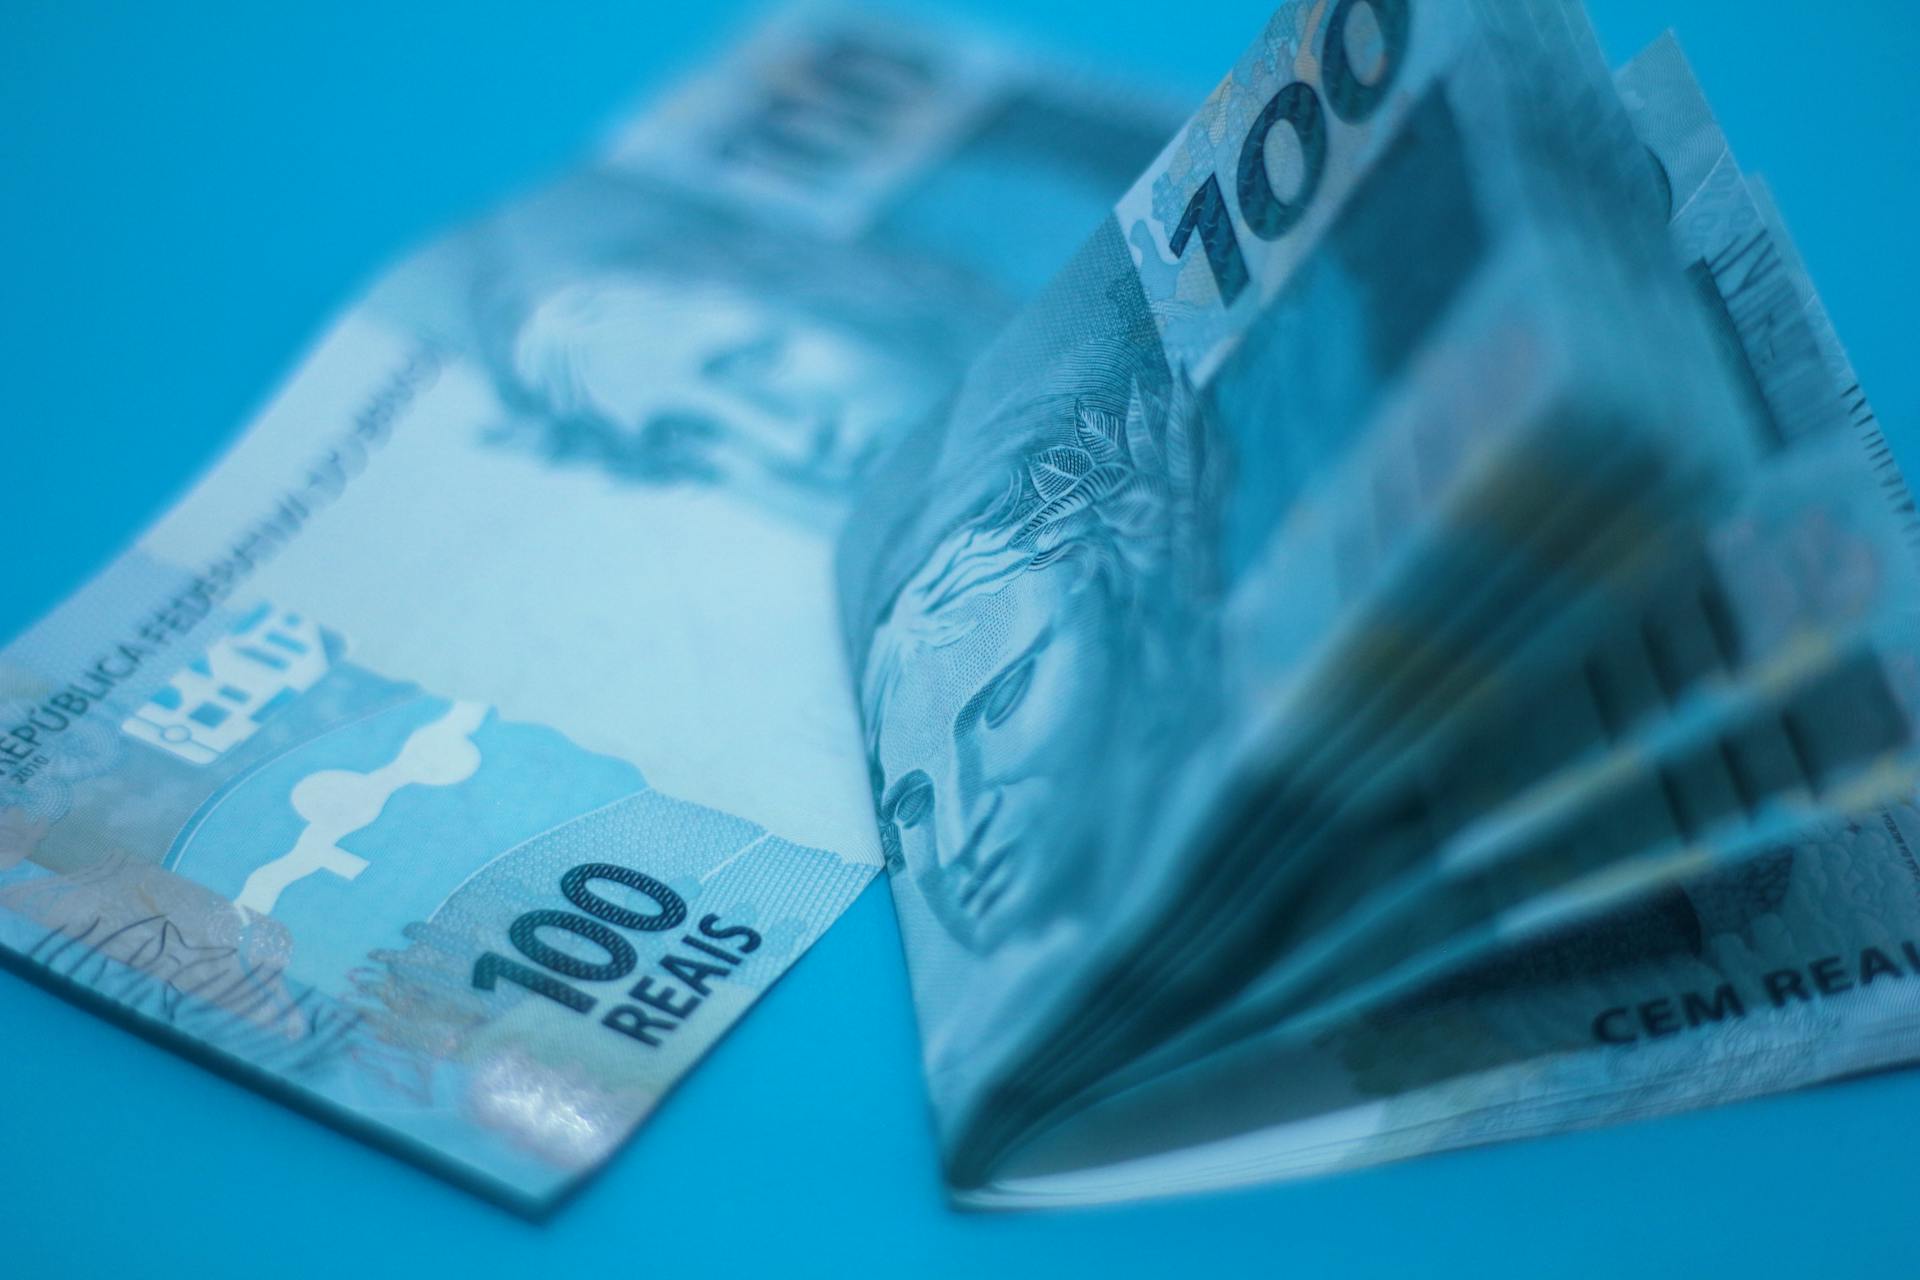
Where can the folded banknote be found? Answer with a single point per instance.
(472, 744)
(1385, 653)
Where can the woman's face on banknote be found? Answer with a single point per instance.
(746, 391)
(986, 744)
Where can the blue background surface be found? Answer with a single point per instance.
(186, 195)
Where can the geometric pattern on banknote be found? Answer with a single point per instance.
(219, 700)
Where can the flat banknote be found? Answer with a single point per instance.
(1105, 617)
(473, 743)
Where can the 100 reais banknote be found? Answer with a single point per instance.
(472, 744)
(1384, 654)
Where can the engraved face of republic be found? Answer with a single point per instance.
(968, 783)
(990, 689)
(674, 381)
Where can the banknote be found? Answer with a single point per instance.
(473, 743)
(1374, 621)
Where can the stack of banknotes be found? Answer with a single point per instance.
(1382, 623)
